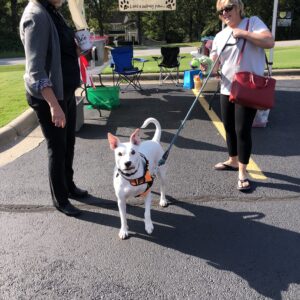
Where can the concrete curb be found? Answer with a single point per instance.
(23, 124)
(19, 127)
(286, 72)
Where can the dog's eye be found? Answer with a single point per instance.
(132, 152)
(120, 154)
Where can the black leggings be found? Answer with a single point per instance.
(237, 121)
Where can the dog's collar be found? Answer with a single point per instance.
(146, 178)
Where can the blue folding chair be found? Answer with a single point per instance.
(123, 67)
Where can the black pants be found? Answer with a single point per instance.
(60, 143)
(237, 121)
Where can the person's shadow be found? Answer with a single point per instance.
(267, 257)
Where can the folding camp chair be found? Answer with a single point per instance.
(168, 63)
(123, 67)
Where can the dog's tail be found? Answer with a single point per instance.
(157, 133)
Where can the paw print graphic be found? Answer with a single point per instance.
(170, 4)
(124, 4)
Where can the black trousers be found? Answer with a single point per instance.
(237, 121)
(60, 144)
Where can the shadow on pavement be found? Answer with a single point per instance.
(292, 185)
(267, 257)
(169, 107)
(281, 136)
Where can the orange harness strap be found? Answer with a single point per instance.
(146, 178)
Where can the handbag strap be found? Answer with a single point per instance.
(244, 44)
(267, 63)
(243, 47)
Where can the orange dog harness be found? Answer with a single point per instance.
(146, 178)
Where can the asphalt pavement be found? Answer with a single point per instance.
(211, 242)
(277, 144)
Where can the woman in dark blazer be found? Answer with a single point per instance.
(51, 77)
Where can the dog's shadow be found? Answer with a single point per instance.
(267, 257)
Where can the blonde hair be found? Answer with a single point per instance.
(238, 3)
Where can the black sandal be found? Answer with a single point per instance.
(244, 188)
(225, 167)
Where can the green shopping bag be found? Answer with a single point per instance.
(104, 97)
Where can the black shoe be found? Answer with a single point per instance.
(69, 210)
(77, 193)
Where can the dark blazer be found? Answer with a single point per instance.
(42, 51)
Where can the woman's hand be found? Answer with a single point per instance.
(78, 51)
(58, 116)
(238, 33)
(203, 68)
(262, 39)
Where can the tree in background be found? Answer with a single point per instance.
(98, 13)
(263, 9)
(191, 20)
(10, 13)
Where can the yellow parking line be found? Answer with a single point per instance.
(252, 168)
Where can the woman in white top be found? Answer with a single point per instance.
(238, 119)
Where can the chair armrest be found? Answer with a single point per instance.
(141, 59)
(156, 58)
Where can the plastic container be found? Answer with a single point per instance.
(104, 97)
(197, 82)
(83, 39)
(98, 52)
(188, 82)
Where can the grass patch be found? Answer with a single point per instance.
(12, 97)
(286, 58)
(283, 58)
(152, 67)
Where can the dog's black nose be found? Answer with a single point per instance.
(128, 164)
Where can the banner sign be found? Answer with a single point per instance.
(149, 5)
(284, 22)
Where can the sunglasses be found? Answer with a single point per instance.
(226, 9)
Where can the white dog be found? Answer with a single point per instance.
(136, 163)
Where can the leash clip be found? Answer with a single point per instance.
(154, 175)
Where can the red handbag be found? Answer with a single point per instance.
(251, 90)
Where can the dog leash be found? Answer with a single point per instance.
(164, 158)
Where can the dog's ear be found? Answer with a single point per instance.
(134, 138)
(113, 141)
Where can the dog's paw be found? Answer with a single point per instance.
(163, 202)
(149, 227)
(123, 234)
